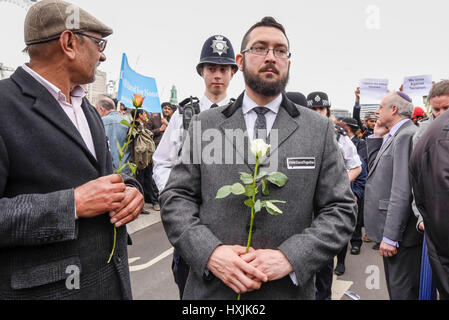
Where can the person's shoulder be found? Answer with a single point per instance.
(8, 89)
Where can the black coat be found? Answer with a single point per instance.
(429, 166)
(42, 160)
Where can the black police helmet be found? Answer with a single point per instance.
(298, 98)
(217, 50)
(318, 99)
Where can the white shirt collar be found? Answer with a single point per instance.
(248, 104)
(78, 91)
(205, 103)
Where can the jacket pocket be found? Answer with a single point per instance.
(50, 272)
(383, 205)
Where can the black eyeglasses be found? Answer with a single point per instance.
(279, 52)
(101, 42)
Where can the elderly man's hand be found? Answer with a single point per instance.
(387, 250)
(130, 208)
(380, 130)
(99, 196)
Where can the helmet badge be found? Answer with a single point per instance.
(219, 45)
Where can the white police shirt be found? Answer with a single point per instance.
(167, 152)
(349, 153)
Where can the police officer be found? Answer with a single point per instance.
(217, 67)
(319, 102)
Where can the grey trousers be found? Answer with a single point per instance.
(402, 273)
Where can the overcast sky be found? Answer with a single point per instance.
(334, 44)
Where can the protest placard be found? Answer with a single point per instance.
(373, 88)
(417, 85)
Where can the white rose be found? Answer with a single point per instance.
(259, 148)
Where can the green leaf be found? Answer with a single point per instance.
(237, 189)
(249, 190)
(265, 188)
(272, 209)
(125, 123)
(257, 206)
(121, 154)
(250, 203)
(246, 178)
(278, 179)
(223, 192)
(133, 167)
(261, 175)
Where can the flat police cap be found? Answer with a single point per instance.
(318, 99)
(217, 50)
(47, 19)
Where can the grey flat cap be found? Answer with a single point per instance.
(47, 19)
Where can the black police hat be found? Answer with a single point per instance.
(351, 122)
(298, 98)
(217, 50)
(318, 99)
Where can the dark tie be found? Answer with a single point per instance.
(214, 106)
(260, 127)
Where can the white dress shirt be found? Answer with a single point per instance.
(167, 152)
(73, 111)
(251, 116)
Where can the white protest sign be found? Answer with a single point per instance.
(374, 88)
(417, 85)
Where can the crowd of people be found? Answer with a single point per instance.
(62, 206)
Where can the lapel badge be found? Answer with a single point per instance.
(219, 45)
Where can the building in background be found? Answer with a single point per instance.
(5, 72)
(340, 113)
(367, 108)
(97, 88)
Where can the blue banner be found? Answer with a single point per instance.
(133, 83)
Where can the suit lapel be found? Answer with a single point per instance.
(46, 106)
(98, 135)
(283, 127)
(235, 132)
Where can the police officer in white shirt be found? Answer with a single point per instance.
(319, 101)
(217, 67)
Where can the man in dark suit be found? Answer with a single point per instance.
(389, 218)
(58, 199)
(319, 215)
(429, 165)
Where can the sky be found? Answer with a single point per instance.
(334, 44)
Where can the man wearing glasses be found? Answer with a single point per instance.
(59, 200)
(287, 250)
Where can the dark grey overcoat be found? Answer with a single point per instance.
(196, 223)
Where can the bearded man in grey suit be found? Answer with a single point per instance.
(389, 218)
(319, 216)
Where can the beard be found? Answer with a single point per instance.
(262, 87)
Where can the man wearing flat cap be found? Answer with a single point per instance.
(59, 201)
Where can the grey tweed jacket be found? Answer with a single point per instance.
(196, 223)
(42, 160)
